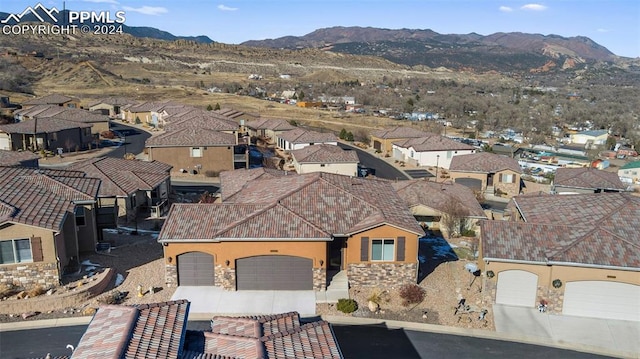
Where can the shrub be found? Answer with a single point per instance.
(110, 135)
(7, 290)
(468, 233)
(138, 120)
(347, 305)
(411, 294)
(36, 291)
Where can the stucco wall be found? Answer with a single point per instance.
(510, 188)
(21, 231)
(213, 158)
(347, 169)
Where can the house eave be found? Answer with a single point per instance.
(597, 266)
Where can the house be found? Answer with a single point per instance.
(197, 118)
(122, 331)
(99, 123)
(129, 187)
(47, 218)
(383, 140)
(630, 172)
(585, 180)
(53, 99)
(590, 138)
(110, 106)
(46, 134)
(431, 203)
(432, 150)
(488, 173)
(506, 150)
(7, 107)
(580, 254)
(18, 158)
(299, 138)
(281, 231)
(325, 158)
(149, 113)
(238, 116)
(267, 128)
(194, 150)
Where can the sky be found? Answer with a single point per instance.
(614, 24)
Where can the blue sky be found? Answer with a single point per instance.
(614, 24)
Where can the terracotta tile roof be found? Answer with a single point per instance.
(432, 142)
(483, 162)
(231, 113)
(51, 99)
(44, 125)
(270, 124)
(15, 158)
(230, 345)
(312, 340)
(43, 198)
(438, 196)
(235, 180)
(588, 178)
(192, 137)
(152, 106)
(122, 177)
(300, 135)
(40, 110)
(121, 101)
(201, 119)
(108, 333)
(77, 115)
(255, 326)
(399, 133)
(324, 154)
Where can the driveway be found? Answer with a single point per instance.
(619, 336)
(215, 300)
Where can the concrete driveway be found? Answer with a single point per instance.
(215, 300)
(617, 336)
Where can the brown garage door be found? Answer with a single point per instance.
(195, 268)
(274, 273)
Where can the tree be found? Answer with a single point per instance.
(217, 107)
(343, 134)
(209, 107)
(138, 120)
(611, 142)
(455, 218)
(301, 95)
(348, 136)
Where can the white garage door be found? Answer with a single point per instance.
(4, 143)
(610, 300)
(517, 287)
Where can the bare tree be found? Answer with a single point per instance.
(455, 218)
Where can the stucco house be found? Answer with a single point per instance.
(325, 158)
(585, 180)
(580, 254)
(432, 150)
(110, 106)
(630, 172)
(431, 202)
(18, 158)
(488, 173)
(47, 218)
(282, 231)
(46, 134)
(590, 138)
(149, 113)
(267, 128)
(53, 99)
(299, 138)
(129, 187)
(382, 140)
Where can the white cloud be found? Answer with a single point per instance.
(505, 9)
(602, 30)
(147, 10)
(226, 8)
(533, 7)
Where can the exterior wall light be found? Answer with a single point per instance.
(227, 262)
(490, 274)
(321, 262)
(557, 283)
(170, 259)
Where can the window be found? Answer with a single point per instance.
(507, 178)
(449, 154)
(196, 151)
(15, 251)
(80, 216)
(382, 249)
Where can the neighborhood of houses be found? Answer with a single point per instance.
(306, 217)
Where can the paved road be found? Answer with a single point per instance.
(356, 341)
(134, 140)
(383, 169)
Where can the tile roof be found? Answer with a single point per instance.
(62, 113)
(15, 158)
(235, 180)
(483, 162)
(44, 125)
(230, 345)
(190, 137)
(256, 326)
(312, 340)
(270, 124)
(432, 142)
(399, 132)
(438, 196)
(41, 197)
(50, 99)
(152, 106)
(112, 101)
(43, 110)
(234, 113)
(122, 177)
(324, 154)
(201, 119)
(300, 135)
(588, 178)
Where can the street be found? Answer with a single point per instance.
(383, 169)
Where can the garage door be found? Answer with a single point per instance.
(195, 268)
(274, 273)
(601, 299)
(517, 287)
(377, 145)
(472, 183)
(4, 143)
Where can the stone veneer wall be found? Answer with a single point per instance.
(489, 287)
(512, 189)
(386, 274)
(225, 277)
(30, 275)
(554, 298)
(319, 279)
(171, 275)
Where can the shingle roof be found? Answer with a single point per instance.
(270, 124)
(300, 135)
(44, 125)
(399, 133)
(122, 177)
(50, 99)
(588, 178)
(189, 137)
(432, 142)
(483, 162)
(324, 154)
(438, 196)
(43, 198)
(15, 158)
